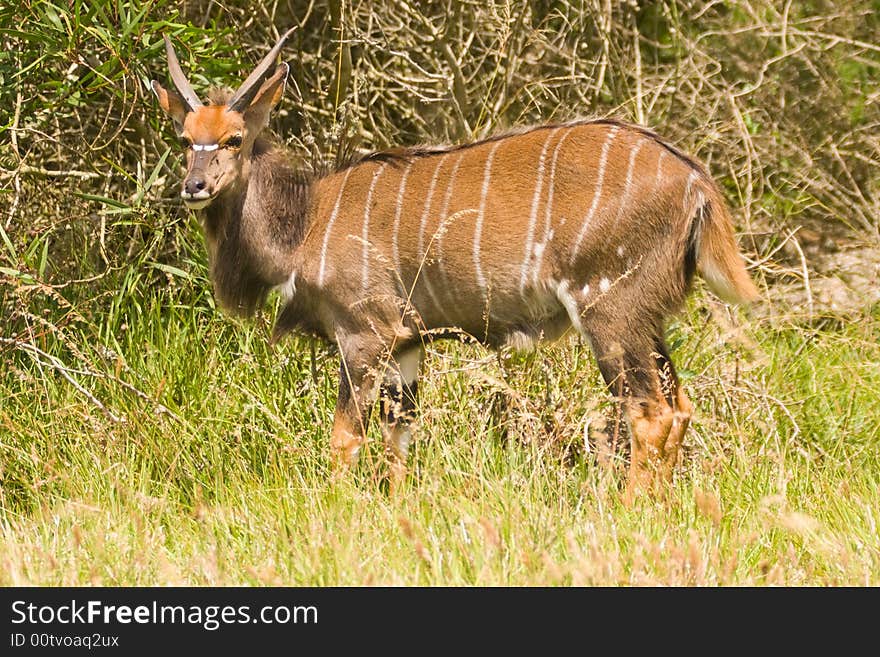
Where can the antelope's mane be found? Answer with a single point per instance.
(405, 155)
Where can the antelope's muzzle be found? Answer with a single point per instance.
(196, 192)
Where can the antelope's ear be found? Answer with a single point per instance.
(269, 95)
(172, 103)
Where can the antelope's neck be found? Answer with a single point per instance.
(254, 233)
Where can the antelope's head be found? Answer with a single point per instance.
(219, 138)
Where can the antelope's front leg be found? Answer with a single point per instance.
(399, 399)
(353, 405)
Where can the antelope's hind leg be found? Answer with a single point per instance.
(638, 371)
(681, 405)
(399, 397)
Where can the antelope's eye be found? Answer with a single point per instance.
(185, 142)
(233, 142)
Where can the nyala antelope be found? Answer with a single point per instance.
(593, 224)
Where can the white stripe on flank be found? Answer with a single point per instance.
(533, 214)
(629, 178)
(692, 176)
(423, 254)
(441, 228)
(330, 222)
(548, 210)
(481, 213)
(365, 233)
(603, 160)
(659, 168)
(698, 198)
(447, 197)
(397, 210)
(427, 209)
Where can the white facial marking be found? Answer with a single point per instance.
(330, 221)
(196, 203)
(205, 147)
(365, 232)
(603, 160)
(604, 285)
(481, 213)
(533, 214)
(198, 196)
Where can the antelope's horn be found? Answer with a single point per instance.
(248, 89)
(177, 77)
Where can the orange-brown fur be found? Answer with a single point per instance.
(596, 225)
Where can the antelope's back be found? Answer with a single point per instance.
(483, 236)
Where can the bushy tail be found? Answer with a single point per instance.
(712, 245)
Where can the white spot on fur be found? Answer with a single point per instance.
(570, 304)
(586, 290)
(604, 285)
(288, 288)
(408, 364)
(620, 251)
(520, 341)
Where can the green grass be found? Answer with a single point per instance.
(215, 469)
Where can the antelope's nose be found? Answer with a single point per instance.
(193, 186)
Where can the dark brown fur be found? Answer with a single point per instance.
(272, 211)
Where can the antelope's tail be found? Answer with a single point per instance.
(712, 245)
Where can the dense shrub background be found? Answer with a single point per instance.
(779, 98)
